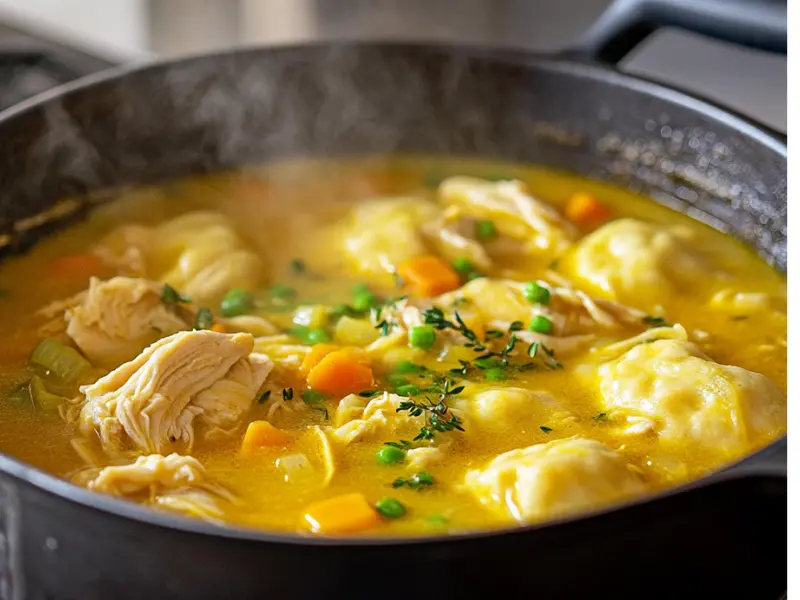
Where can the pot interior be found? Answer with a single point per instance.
(220, 112)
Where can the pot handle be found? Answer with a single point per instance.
(759, 24)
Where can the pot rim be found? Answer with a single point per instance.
(64, 489)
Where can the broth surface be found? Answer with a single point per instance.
(294, 216)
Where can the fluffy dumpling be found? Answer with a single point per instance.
(358, 418)
(174, 482)
(199, 253)
(637, 262)
(383, 233)
(513, 408)
(551, 480)
(192, 376)
(691, 401)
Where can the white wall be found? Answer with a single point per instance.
(114, 26)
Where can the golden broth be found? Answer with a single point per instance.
(281, 210)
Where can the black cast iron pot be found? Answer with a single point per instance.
(721, 537)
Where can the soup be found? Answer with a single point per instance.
(388, 347)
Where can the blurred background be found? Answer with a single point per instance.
(43, 42)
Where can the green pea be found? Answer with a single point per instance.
(282, 291)
(536, 293)
(365, 300)
(485, 230)
(396, 379)
(421, 479)
(301, 332)
(541, 324)
(463, 265)
(390, 508)
(313, 396)
(437, 520)
(495, 374)
(407, 390)
(317, 336)
(236, 302)
(407, 367)
(389, 455)
(422, 336)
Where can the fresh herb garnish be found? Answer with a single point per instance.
(739, 317)
(288, 393)
(600, 416)
(313, 397)
(654, 321)
(369, 393)
(436, 411)
(533, 349)
(204, 319)
(169, 295)
(402, 444)
(546, 429)
(399, 282)
(298, 266)
(321, 409)
(417, 481)
(264, 397)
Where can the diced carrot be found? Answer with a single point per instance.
(262, 434)
(219, 328)
(316, 354)
(429, 275)
(342, 514)
(583, 208)
(78, 265)
(340, 372)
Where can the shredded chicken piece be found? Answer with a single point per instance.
(175, 482)
(114, 320)
(203, 376)
(486, 303)
(516, 213)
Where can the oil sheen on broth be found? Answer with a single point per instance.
(378, 347)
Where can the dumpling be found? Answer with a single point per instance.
(174, 482)
(689, 400)
(199, 253)
(517, 215)
(512, 408)
(358, 418)
(555, 479)
(191, 377)
(383, 233)
(639, 263)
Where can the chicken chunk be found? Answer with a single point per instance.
(551, 480)
(174, 482)
(189, 378)
(541, 229)
(114, 320)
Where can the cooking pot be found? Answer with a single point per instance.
(722, 536)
